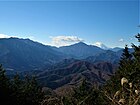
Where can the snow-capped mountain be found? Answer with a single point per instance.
(101, 45)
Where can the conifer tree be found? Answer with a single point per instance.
(32, 93)
(136, 63)
(126, 64)
(85, 94)
(129, 68)
(17, 84)
(5, 89)
(124, 70)
(18, 91)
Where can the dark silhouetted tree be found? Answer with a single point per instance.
(18, 91)
(129, 68)
(5, 89)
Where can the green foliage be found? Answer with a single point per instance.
(128, 94)
(19, 92)
(129, 68)
(31, 92)
(5, 89)
(66, 101)
(125, 68)
(95, 98)
(82, 91)
(85, 95)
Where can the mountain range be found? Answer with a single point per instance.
(25, 54)
(80, 50)
(59, 67)
(72, 71)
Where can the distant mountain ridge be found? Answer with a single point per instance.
(73, 72)
(80, 50)
(116, 49)
(24, 54)
(107, 56)
(58, 67)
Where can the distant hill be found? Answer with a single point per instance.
(116, 49)
(25, 54)
(107, 56)
(80, 50)
(119, 52)
(73, 72)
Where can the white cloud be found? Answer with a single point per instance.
(64, 40)
(121, 40)
(9, 36)
(4, 36)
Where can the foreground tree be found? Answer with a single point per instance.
(19, 91)
(5, 88)
(130, 69)
(85, 94)
(32, 93)
(129, 94)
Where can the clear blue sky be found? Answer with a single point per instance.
(91, 21)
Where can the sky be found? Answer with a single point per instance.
(60, 23)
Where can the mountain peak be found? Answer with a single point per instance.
(101, 45)
(80, 43)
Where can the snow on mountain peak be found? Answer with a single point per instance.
(101, 45)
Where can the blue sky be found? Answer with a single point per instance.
(59, 23)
